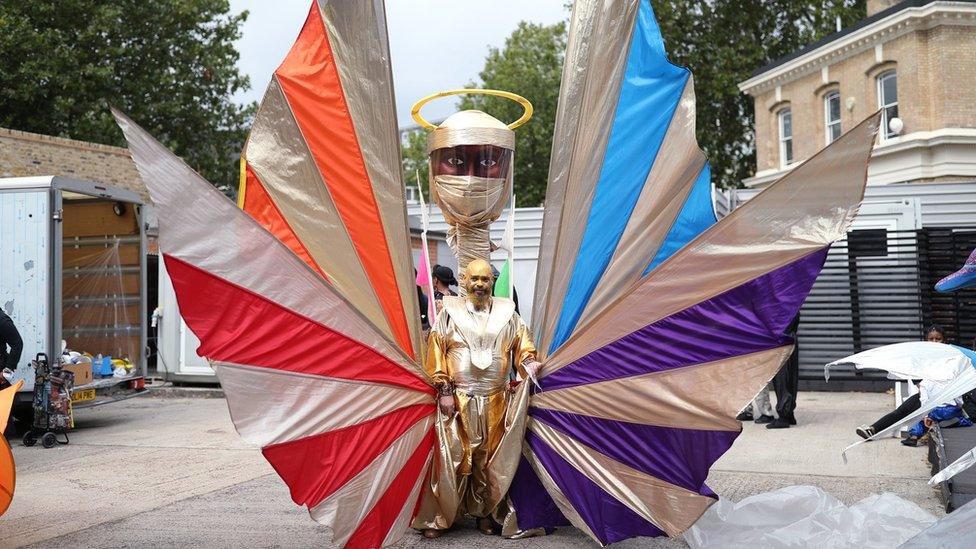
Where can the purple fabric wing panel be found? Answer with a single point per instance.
(607, 518)
(679, 456)
(533, 506)
(745, 319)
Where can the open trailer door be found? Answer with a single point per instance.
(80, 247)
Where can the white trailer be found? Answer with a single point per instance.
(73, 268)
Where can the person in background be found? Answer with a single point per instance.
(9, 337)
(759, 410)
(949, 414)
(934, 334)
(443, 280)
(787, 383)
(422, 299)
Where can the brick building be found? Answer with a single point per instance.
(24, 154)
(915, 59)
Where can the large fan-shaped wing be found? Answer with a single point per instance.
(628, 185)
(343, 415)
(321, 169)
(664, 324)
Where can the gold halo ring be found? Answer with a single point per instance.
(526, 106)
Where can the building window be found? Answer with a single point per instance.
(785, 137)
(888, 100)
(832, 116)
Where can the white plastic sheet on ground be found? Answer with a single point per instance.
(806, 516)
(957, 530)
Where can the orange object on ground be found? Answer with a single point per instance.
(8, 473)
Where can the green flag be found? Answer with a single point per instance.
(501, 285)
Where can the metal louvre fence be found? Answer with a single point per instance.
(945, 251)
(876, 288)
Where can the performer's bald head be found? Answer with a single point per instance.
(479, 283)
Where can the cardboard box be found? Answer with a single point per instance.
(82, 372)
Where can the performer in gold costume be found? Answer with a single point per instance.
(478, 343)
(474, 348)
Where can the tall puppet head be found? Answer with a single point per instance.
(471, 161)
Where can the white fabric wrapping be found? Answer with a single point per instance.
(953, 531)
(964, 462)
(911, 360)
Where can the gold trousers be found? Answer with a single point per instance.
(475, 459)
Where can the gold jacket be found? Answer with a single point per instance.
(479, 445)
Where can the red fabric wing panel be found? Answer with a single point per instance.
(374, 528)
(310, 81)
(259, 205)
(315, 467)
(239, 326)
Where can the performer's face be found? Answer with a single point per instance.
(476, 160)
(480, 283)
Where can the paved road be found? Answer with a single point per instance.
(172, 472)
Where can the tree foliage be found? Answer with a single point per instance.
(170, 64)
(721, 41)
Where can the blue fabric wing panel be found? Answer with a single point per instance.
(968, 353)
(649, 95)
(696, 215)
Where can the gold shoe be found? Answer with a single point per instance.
(431, 533)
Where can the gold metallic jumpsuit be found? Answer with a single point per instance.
(479, 446)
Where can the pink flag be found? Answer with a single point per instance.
(424, 280)
(423, 270)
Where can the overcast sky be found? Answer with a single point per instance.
(436, 44)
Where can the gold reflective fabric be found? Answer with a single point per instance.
(346, 508)
(669, 507)
(461, 337)
(470, 204)
(271, 406)
(702, 396)
(470, 127)
(587, 104)
(479, 445)
(438, 139)
(806, 210)
(280, 158)
(441, 497)
(673, 174)
(360, 45)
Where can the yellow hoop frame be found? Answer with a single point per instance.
(526, 105)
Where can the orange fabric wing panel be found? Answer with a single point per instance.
(259, 205)
(310, 81)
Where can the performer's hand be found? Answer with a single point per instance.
(446, 403)
(532, 368)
